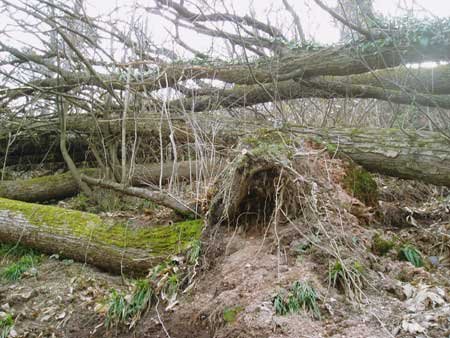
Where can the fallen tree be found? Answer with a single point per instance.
(154, 195)
(408, 154)
(37, 141)
(41, 189)
(272, 69)
(273, 177)
(60, 186)
(89, 238)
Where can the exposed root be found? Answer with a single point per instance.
(277, 185)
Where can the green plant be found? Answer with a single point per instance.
(117, 309)
(128, 310)
(172, 284)
(411, 254)
(301, 296)
(142, 298)
(362, 185)
(15, 271)
(303, 247)
(306, 297)
(279, 303)
(80, 202)
(6, 324)
(194, 252)
(335, 273)
(381, 246)
(348, 277)
(15, 250)
(230, 313)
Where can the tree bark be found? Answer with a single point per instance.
(88, 238)
(155, 196)
(41, 189)
(409, 154)
(38, 139)
(56, 187)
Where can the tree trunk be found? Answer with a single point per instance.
(88, 238)
(56, 187)
(38, 140)
(41, 189)
(409, 154)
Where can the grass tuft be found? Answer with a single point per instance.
(348, 277)
(128, 310)
(412, 255)
(301, 296)
(15, 271)
(6, 325)
(117, 309)
(164, 280)
(142, 298)
(14, 250)
(194, 252)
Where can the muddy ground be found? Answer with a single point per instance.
(240, 273)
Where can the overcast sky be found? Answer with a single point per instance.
(317, 24)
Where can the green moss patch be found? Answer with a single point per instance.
(160, 240)
(230, 313)
(361, 185)
(380, 245)
(269, 143)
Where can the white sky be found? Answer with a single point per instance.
(317, 24)
(315, 21)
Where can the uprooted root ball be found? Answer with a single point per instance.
(261, 183)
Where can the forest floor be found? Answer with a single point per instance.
(242, 271)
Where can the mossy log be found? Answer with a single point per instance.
(60, 186)
(41, 189)
(88, 238)
(408, 154)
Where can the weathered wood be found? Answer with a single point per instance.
(56, 187)
(41, 189)
(409, 154)
(156, 196)
(88, 238)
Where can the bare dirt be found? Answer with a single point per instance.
(250, 274)
(241, 272)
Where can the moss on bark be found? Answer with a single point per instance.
(72, 227)
(361, 185)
